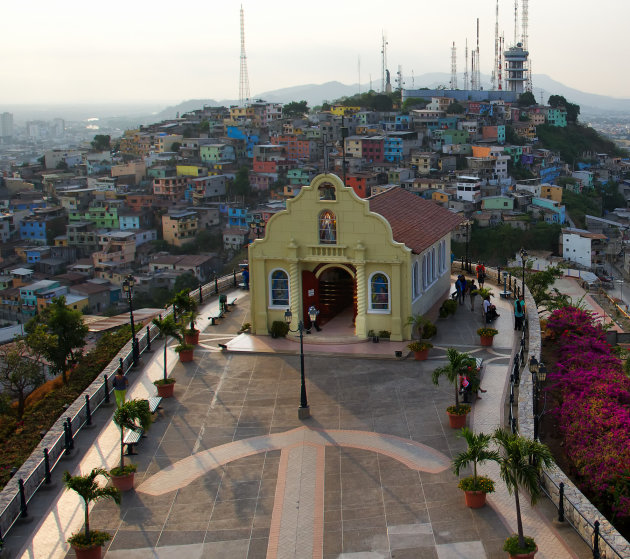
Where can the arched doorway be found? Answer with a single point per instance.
(337, 292)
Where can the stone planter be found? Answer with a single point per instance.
(192, 339)
(486, 340)
(421, 355)
(186, 356)
(124, 482)
(456, 421)
(475, 499)
(165, 390)
(529, 555)
(95, 552)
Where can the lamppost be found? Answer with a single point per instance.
(523, 260)
(303, 411)
(539, 375)
(256, 227)
(467, 266)
(127, 286)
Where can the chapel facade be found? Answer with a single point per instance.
(380, 259)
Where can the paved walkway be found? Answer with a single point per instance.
(228, 469)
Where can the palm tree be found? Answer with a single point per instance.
(521, 461)
(183, 304)
(457, 364)
(476, 453)
(127, 416)
(90, 491)
(167, 327)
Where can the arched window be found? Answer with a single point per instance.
(327, 228)
(278, 289)
(327, 192)
(433, 265)
(379, 292)
(425, 279)
(415, 280)
(440, 264)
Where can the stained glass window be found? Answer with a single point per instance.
(379, 292)
(327, 228)
(279, 288)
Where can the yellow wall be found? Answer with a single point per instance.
(190, 171)
(341, 110)
(551, 193)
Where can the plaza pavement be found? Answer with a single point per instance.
(229, 471)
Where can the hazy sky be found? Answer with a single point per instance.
(137, 51)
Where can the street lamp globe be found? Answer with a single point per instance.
(288, 316)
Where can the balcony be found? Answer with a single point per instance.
(327, 251)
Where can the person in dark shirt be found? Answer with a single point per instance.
(120, 383)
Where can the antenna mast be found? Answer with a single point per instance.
(383, 62)
(477, 69)
(454, 67)
(243, 86)
(500, 66)
(466, 72)
(515, 22)
(495, 70)
(525, 40)
(399, 78)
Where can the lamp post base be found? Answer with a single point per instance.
(304, 413)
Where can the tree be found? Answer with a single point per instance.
(455, 109)
(167, 327)
(476, 453)
(382, 103)
(558, 101)
(526, 99)
(90, 491)
(134, 415)
(68, 327)
(240, 185)
(101, 142)
(521, 461)
(175, 146)
(20, 372)
(457, 364)
(186, 282)
(295, 109)
(412, 102)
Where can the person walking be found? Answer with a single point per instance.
(472, 292)
(519, 313)
(460, 285)
(120, 383)
(481, 273)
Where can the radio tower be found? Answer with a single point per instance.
(477, 64)
(500, 66)
(454, 67)
(383, 62)
(466, 72)
(524, 40)
(515, 22)
(495, 70)
(243, 86)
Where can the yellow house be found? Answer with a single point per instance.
(191, 171)
(374, 262)
(551, 192)
(340, 110)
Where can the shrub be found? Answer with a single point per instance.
(429, 330)
(448, 308)
(419, 346)
(487, 332)
(484, 484)
(279, 328)
(385, 334)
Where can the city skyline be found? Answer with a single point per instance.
(140, 52)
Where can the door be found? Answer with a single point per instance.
(310, 295)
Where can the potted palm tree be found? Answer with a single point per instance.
(88, 544)
(167, 327)
(486, 335)
(422, 326)
(475, 487)
(420, 350)
(185, 351)
(457, 365)
(521, 461)
(136, 416)
(186, 308)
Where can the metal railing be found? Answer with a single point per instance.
(58, 442)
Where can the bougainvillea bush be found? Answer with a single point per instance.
(593, 392)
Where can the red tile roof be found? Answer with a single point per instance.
(416, 222)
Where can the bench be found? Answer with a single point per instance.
(232, 302)
(214, 319)
(154, 403)
(130, 439)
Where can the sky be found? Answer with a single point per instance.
(164, 51)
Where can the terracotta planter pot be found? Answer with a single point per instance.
(486, 340)
(475, 499)
(192, 339)
(529, 555)
(421, 355)
(186, 356)
(95, 552)
(123, 483)
(456, 421)
(165, 390)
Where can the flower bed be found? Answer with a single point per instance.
(18, 439)
(593, 392)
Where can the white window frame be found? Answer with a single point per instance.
(269, 289)
(416, 280)
(389, 294)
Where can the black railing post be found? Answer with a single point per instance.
(596, 554)
(46, 467)
(216, 285)
(499, 275)
(561, 503)
(121, 364)
(23, 509)
(148, 339)
(106, 386)
(66, 439)
(69, 422)
(514, 425)
(234, 276)
(200, 293)
(88, 412)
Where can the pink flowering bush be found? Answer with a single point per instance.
(594, 410)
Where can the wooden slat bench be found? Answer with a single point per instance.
(154, 403)
(130, 440)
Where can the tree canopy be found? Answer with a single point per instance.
(526, 99)
(558, 101)
(455, 109)
(101, 142)
(240, 186)
(295, 109)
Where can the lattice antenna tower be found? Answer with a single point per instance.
(383, 61)
(525, 41)
(477, 58)
(454, 67)
(500, 66)
(399, 78)
(515, 22)
(466, 72)
(243, 85)
(495, 69)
